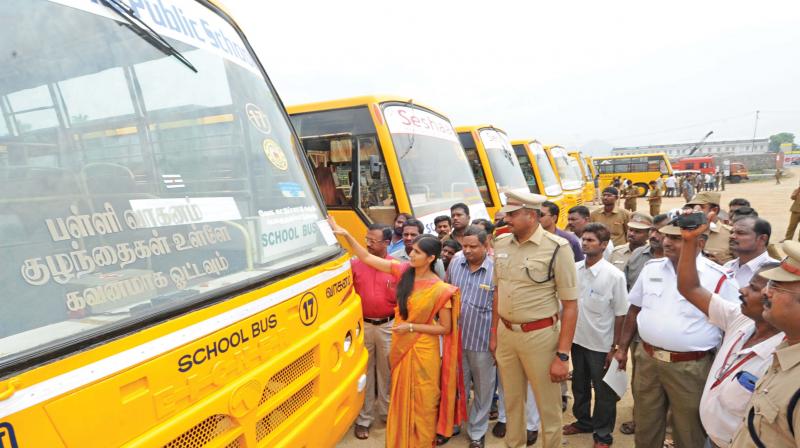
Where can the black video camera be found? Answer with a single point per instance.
(690, 221)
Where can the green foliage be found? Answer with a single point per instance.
(776, 140)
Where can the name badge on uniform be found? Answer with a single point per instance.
(499, 255)
(656, 279)
(485, 287)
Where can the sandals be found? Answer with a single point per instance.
(573, 429)
(361, 432)
(627, 428)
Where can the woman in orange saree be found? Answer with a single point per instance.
(427, 382)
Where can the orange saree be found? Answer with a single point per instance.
(427, 386)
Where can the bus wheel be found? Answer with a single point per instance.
(643, 189)
(735, 179)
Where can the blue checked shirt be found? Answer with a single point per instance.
(476, 301)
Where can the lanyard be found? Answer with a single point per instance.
(734, 367)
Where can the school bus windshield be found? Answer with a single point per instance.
(435, 170)
(569, 172)
(134, 187)
(549, 179)
(505, 166)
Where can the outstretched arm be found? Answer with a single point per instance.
(360, 251)
(688, 281)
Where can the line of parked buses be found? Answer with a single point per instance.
(376, 156)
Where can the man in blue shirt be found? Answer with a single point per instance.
(471, 270)
(548, 221)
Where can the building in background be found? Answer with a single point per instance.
(726, 147)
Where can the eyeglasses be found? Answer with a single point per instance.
(771, 286)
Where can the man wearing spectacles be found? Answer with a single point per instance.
(378, 299)
(534, 273)
(772, 418)
(747, 346)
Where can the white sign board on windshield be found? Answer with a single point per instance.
(410, 120)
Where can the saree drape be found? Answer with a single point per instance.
(427, 391)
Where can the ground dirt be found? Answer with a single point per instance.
(772, 203)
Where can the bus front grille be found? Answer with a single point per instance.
(290, 373)
(204, 432)
(286, 410)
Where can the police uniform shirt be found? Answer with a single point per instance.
(620, 256)
(769, 406)
(526, 290)
(667, 320)
(616, 222)
(718, 245)
(635, 264)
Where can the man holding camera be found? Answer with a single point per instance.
(678, 342)
(718, 245)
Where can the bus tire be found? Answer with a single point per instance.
(643, 189)
(734, 179)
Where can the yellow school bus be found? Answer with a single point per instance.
(494, 163)
(376, 156)
(168, 275)
(639, 168)
(541, 177)
(571, 180)
(588, 181)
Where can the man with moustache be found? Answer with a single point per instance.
(749, 241)
(411, 230)
(578, 217)
(443, 225)
(772, 417)
(613, 217)
(677, 348)
(459, 213)
(638, 232)
(718, 246)
(747, 346)
(397, 237)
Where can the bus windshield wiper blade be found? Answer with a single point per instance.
(144, 31)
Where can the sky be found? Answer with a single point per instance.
(586, 74)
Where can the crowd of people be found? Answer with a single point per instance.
(490, 320)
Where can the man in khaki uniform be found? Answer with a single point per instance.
(795, 216)
(638, 232)
(654, 199)
(614, 218)
(630, 193)
(718, 245)
(534, 272)
(773, 415)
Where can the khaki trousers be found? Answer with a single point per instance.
(659, 386)
(377, 339)
(794, 219)
(524, 358)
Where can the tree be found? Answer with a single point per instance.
(776, 140)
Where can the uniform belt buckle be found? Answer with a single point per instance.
(662, 355)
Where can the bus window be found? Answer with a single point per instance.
(471, 151)
(504, 164)
(527, 168)
(336, 142)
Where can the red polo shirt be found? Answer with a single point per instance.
(376, 288)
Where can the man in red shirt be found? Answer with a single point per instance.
(378, 299)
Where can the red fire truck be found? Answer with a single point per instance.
(708, 164)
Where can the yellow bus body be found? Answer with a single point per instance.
(588, 185)
(573, 188)
(276, 363)
(354, 216)
(534, 170)
(487, 176)
(639, 168)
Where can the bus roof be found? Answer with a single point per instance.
(343, 103)
(629, 156)
(478, 127)
(525, 142)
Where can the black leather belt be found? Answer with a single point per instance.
(378, 321)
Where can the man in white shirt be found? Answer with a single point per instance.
(676, 352)
(749, 241)
(602, 304)
(671, 184)
(746, 350)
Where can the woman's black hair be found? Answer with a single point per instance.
(431, 246)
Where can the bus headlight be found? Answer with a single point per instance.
(348, 341)
(358, 328)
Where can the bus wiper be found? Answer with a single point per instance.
(144, 31)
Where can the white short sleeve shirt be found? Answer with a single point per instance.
(742, 273)
(602, 296)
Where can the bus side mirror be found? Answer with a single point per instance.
(374, 167)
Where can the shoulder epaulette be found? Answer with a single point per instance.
(557, 239)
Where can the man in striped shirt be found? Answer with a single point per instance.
(471, 270)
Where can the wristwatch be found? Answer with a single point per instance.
(562, 356)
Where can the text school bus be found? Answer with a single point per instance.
(494, 164)
(376, 156)
(570, 176)
(168, 276)
(586, 174)
(541, 177)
